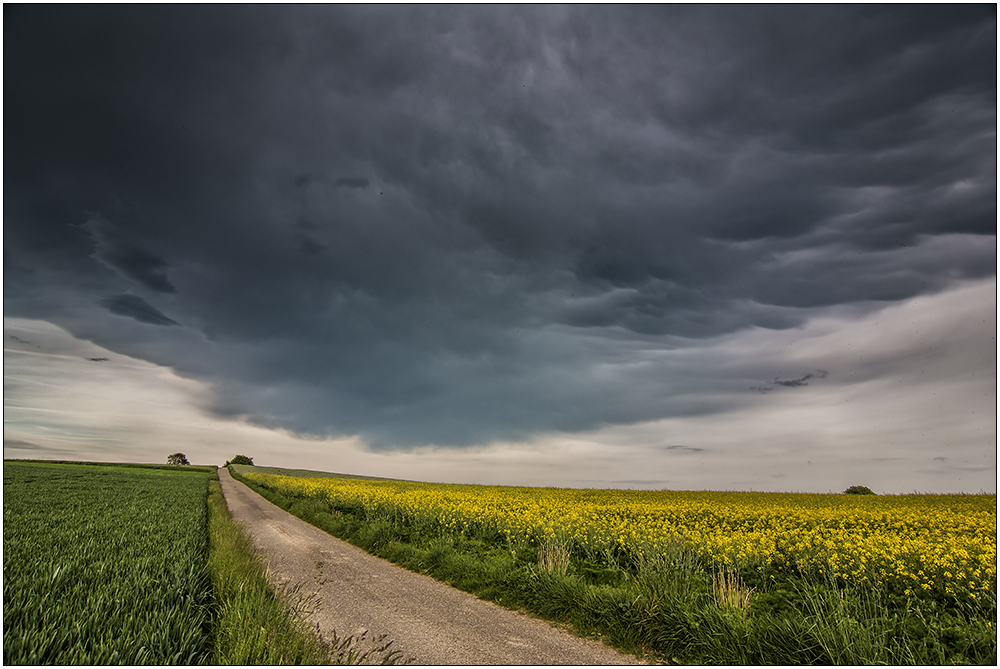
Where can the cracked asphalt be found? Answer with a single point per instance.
(352, 592)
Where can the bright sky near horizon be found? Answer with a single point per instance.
(732, 248)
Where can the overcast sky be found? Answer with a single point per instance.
(596, 246)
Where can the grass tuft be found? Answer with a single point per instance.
(553, 556)
(730, 592)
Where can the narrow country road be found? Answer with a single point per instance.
(428, 621)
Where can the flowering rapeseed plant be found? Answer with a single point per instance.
(913, 543)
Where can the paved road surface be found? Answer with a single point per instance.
(428, 621)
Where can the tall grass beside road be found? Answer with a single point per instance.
(254, 625)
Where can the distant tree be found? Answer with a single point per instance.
(177, 459)
(859, 490)
(242, 460)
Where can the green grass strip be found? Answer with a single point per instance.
(253, 624)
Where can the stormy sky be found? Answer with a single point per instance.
(597, 246)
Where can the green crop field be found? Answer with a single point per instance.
(122, 563)
(105, 565)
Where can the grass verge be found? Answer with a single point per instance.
(253, 624)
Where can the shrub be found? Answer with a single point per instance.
(859, 490)
(241, 460)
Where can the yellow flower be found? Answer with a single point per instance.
(908, 539)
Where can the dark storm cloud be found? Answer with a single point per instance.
(430, 225)
(678, 447)
(804, 381)
(131, 261)
(146, 268)
(794, 383)
(135, 307)
(353, 182)
(791, 383)
(21, 445)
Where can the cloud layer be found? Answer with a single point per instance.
(429, 226)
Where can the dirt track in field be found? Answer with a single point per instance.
(432, 623)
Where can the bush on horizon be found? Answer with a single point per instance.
(177, 459)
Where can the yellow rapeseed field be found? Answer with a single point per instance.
(938, 543)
